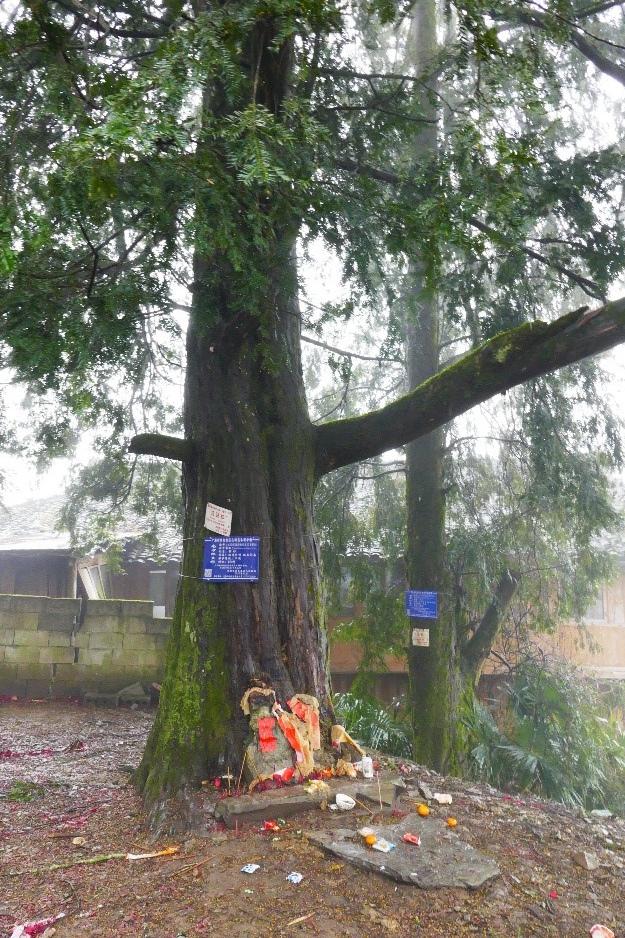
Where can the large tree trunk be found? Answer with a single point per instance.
(253, 453)
(250, 448)
(444, 674)
(434, 679)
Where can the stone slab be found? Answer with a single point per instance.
(32, 639)
(26, 603)
(102, 607)
(63, 606)
(136, 607)
(254, 809)
(56, 654)
(22, 654)
(106, 700)
(159, 627)
(442, 861)
(56, 622)
(135, 625)
(134, 693)
(104, 640)
(22, 620)
(387, 792)
(139, 642)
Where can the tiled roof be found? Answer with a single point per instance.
(34, 526)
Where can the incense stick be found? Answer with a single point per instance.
(241, 772)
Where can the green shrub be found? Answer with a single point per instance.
(560, 740)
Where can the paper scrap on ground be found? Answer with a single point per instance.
(409, 838)
(384, 846)
(167, 852)
(344, 802)
(294, 878)
(35, 928)
(250, 867)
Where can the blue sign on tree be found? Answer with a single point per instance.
(228, 559)
(421, 604)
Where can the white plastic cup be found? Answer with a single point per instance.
(367, 767)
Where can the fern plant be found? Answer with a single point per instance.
(560, 740)
(372, 724)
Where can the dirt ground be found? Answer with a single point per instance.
(73, 762)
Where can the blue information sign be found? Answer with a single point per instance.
(422, 605)
(231, 558)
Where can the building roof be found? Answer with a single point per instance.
(34, 525)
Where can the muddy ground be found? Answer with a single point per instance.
(73, 762)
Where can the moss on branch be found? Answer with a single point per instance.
(158, 444)
(508, 359)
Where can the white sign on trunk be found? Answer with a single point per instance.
(218, 519)
(421, 637)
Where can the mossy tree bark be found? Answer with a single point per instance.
(249, 447)
(254, 453)
(441, 677)
(431, 671)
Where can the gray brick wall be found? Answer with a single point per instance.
(47, 651)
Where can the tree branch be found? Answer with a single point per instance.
(588, 286)
(339, 351)
(157, 444)
(477, 649)
(96, 21)
(508, 359)
(576, 38)
(595, 8)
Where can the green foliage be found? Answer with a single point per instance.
(25, 792)
(130, 146)
(116, 494)
(372, 725)
(558, 738)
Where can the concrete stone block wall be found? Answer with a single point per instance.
(48, 650)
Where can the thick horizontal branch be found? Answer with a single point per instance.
(505, 361)
(477, 649)
(157, 444)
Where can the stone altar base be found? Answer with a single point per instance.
(267, 805)
(442, 860)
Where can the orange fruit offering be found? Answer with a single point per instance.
(452, 822)
(423, 810)
(370, 840)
